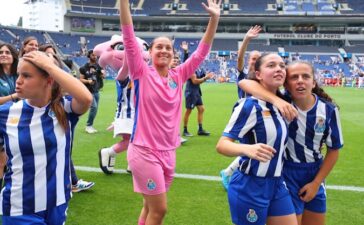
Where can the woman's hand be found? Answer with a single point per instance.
(260, 152)
(40, 59)
(253, 32)
(287, 110)
(309, 191)
(213, 7)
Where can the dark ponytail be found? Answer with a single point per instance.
(57, 107)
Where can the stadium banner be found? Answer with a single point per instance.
(308, 36)
(83, 24)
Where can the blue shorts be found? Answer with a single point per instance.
(252, 199)
(54, 216)
(297, 175)
(193, 100)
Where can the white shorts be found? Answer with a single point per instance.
(123, 126)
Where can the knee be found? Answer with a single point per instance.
(201, 109)
(158, 213)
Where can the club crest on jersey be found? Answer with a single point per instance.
(252, 216)
(172, 84)
(151, 185)
(320, 125)
(51, 114)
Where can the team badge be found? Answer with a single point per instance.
(151, 185)
(252, 216)
(172, 84)
(51, 114)
(320, 125)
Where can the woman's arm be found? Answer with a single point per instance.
(136, 63)
(213, 8)
(261, 152)
(125, 15)
(257, 90)
(309, 191)
(82, 98)
(12, 97)
(253, 32)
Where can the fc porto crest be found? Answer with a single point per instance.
(151, 185)
(320, 125)
(252, 216)
(172, 84)
(51, 114)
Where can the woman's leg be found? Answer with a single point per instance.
(155, 208)
(313, 218)
(282, 220)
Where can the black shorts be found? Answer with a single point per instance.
(192, 101)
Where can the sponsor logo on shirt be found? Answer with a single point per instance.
(266, 114)
(14, 120)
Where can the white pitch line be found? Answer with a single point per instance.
(215, 178)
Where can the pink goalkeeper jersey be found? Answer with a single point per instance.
(158, 100)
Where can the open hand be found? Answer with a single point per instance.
(213, 7)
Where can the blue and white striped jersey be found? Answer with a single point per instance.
(125, 99)
(38, 150)
(319, 125)
(256, 121)
(242, 75)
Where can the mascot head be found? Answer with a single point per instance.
(111, 53)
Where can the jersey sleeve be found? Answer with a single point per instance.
(242, 120)
(136, 64)
(335, 139)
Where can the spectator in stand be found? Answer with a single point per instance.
(29, 44)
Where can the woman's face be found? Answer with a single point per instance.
(272, 72)
(31, 83)
(50, 50)
(161, 52)
(6, 58)
(300, 80)
(32, 45)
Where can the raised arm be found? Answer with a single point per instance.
(213, 8)
(82, 98)
(253, 32)
(257, 90)
(125, 15)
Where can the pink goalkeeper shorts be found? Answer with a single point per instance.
(153, 170)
